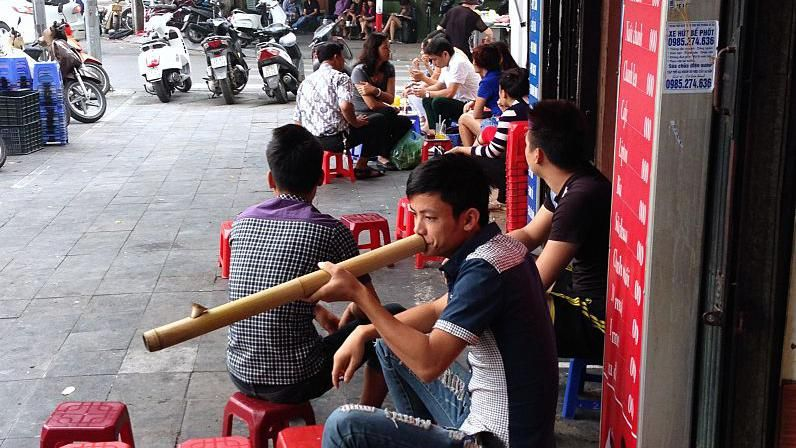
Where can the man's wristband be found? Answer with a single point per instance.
(428, 94)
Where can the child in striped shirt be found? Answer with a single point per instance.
(492, 155)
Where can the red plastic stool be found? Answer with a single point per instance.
(374, 223)
(217, 442)
(97, 445)
(264, 419)
(339, 169)
(223, 248)
(300, 437)
(446, 145)
(89, 421)
(401, 219)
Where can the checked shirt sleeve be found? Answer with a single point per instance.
(473, 302)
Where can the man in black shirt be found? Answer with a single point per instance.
(460, 22)
(574, 225)
(312, 12)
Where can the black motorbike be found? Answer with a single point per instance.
(227, 70)
(197, 23)
(325, 34)
(279, 61)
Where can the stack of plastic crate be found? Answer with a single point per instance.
(14, 74)
(47, 80)
(516, 177)
(19, 121)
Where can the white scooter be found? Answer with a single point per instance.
(164, 61)
(248, 22)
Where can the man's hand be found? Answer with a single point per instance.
(350, 314)
(326, 319)
(342, 287)
(348, 358)
(416, 74)
(468, 106)
(421, 92)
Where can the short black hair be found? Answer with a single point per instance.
(328, 50)
(515, 83)
(437, 45)
(561, 130)
(458, 179)
(294, 157)
(487, 57)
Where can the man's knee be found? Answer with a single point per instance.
(340, 426)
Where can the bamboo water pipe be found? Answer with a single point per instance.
(203, 320)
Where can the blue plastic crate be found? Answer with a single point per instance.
(46, 72)
(14, 74)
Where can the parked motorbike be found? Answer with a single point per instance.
(164, 61)
(82, 94)
(91, 65)
(118, 16)
(196, 23)
(324, 34)
(249, 22)
(279, 61)
(227, 71)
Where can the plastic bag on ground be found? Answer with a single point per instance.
(406, 154)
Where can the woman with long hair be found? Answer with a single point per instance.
(397, 20)
(484, 110)
(374, 78)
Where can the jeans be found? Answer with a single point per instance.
(318, 384)
(309, 21)
(445, 400)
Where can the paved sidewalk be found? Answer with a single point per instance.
(117, 233)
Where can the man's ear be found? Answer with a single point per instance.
(271, 183)
(471, 218)
(320, 178)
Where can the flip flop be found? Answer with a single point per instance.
(367, 173)
(389, 166)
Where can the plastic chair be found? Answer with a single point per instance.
(89, 421)
(217, 442)
(300, 437)
(576, 378)
(263, 418)
(224, 251)
(339, 169)
(372, 222)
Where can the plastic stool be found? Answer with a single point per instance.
(372, 222)
(339, 169)
(402, 217)
(217, 442)
(300, 437)
(96, 445)
(224, 250)
(428, 144)
(90, 421)
(264, 419)
(576, 378)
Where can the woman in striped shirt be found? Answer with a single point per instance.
(492, 155)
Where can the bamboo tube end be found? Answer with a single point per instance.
(152, 341)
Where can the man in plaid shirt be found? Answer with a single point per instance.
(278, 355)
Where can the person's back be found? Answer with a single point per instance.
(460, 22)
(318, 101)
(278, 355)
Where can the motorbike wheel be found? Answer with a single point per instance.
(185, 86)
(162, 89)
(226, 90)
(85, 106)
(3, 152)
(127, 19)
(280, 93)
(241, 78)
(95, 70)
(194, 35)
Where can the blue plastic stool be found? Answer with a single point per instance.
(415, 122)
(576, 378)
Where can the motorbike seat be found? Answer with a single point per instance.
(277, 30)
(165, 7)
(245, 11)
(201, 11)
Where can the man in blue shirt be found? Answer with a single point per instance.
(495, 305)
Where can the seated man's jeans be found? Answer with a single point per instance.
(445, 400)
